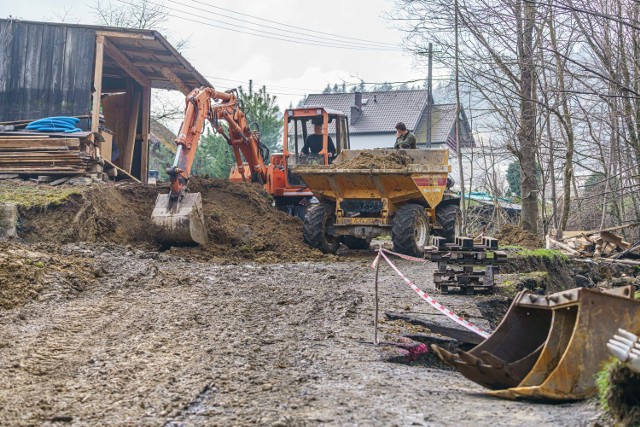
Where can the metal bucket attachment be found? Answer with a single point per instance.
(181, 224)
(549, 348)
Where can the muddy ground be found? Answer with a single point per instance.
(134, 337)
(100, 325)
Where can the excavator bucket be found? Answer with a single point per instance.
(182, 223)
(549, 348)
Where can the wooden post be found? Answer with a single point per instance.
(127, 160)
(144, 152)
(97, 84)
(375, 302)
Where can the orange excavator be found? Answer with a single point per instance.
(179, 214)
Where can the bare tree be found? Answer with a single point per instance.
(142, 14)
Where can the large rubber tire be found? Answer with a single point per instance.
(448, 216)
(410, 230)
(318, 220)
(356, 243)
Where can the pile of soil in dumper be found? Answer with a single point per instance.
(366, 160)
(242, 224)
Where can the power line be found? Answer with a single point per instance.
(227, 87)
(269, 85)
(274, 36)
(314, 32)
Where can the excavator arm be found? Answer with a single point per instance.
(208, 104)
(179, 214)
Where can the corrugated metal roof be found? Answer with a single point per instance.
(380, 110)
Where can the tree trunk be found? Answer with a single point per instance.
(526, 134)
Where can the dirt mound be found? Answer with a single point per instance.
(20, 277)
(27, 272)
(240, 219)
(243, 224)
(512, 235)
(101, 213)
(365, 160)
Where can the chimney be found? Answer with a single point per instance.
(356, 110)
(359, 100)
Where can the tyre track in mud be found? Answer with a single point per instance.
(158, 340)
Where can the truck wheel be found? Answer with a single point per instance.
(356, 243)
(319, 221)
(448, 216)
(410, 230)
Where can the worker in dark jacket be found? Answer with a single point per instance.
(404, 138)
(313, 144)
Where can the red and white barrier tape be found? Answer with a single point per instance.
(407, 257)
(450, 314)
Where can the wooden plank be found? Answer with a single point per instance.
(146, 124)
(36, 148)
(36, 140)
(131, 136)
(124, 35)
(48, 72)
(121, 171)
(77, 72)
(19, 138)
(116, 113)
(125, 63)
(173, 78)
(46, 154)
(42, 171)
(571, 234)
(448, 329)
(97, 84)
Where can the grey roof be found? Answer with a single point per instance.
(443, 118)
(380, 110)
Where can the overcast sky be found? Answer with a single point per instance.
(230, 57)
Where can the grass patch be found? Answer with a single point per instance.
(512, 248)
(545, 254)
(603, 382)
(29, 196)
(511, 284)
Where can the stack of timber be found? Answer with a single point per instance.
(44, 154)
(602, 243)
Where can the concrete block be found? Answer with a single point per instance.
(8, 220)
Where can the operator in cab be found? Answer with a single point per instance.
(313, 143)
(404, 138)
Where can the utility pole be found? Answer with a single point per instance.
(463, 205)
(429, 96)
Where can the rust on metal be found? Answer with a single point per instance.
(549, 348)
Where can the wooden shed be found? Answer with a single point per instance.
(102, 75)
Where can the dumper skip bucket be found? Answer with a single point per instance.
(180, 224)
(549, 348)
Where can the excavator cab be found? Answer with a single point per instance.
(303, 146)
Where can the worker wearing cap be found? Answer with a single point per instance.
(404, 138)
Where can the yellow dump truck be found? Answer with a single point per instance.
(366, 193)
